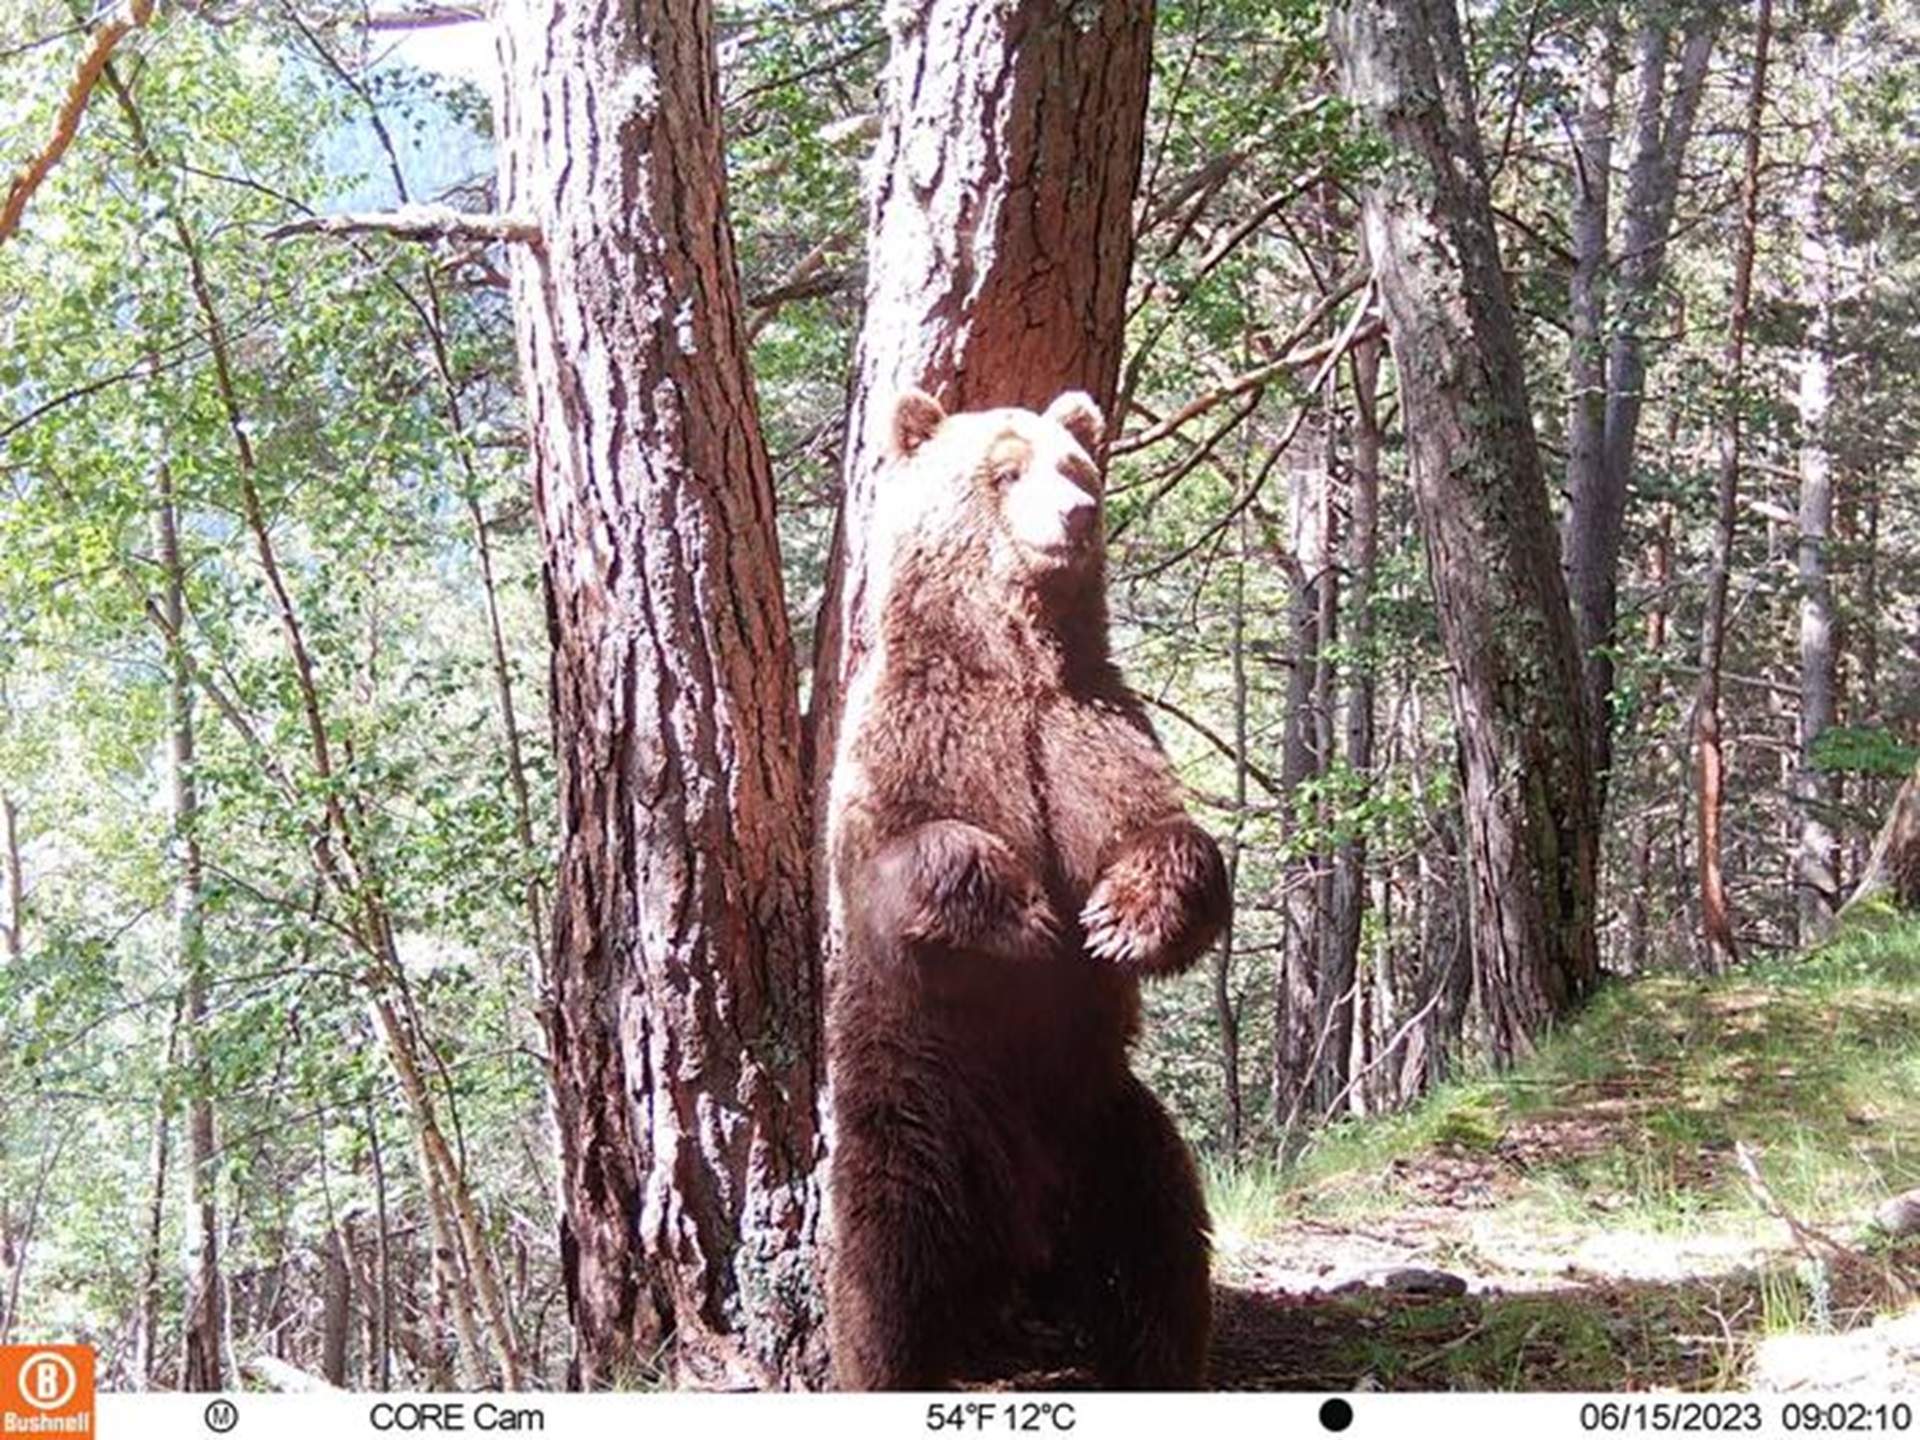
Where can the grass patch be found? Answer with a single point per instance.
(1628, 1115)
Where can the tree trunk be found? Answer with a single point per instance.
(1589, 574)
(685, 1020)
(1639, 941)
(1001, 235)
(380, 1296)
(1493, 559)
(1662, 131)
(205, 1363)
(1362, 545)
(1893, 869)
(146, 1360)
(1226, 1013)
(1298, 1003)
(1716, 914)
(336, 1305)
(1817, 880)
(12, 885)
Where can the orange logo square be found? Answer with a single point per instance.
(46, 1390)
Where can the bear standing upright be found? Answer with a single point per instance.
(1010, 856)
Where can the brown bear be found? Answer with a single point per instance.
(1011, 856)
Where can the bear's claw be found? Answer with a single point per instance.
(1160, 902)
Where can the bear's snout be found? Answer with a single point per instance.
(1079, 521)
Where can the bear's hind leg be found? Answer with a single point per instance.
(906, 1279)
(1147, 1285)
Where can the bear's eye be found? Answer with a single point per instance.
(1006, 472)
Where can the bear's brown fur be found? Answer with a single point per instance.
(1011, 855)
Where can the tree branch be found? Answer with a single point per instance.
(416, 222)
(1252, 380)
(428, 17)
(66, 123)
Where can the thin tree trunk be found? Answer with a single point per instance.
(1333, 983)
(1001, 230)
(146, 1363)
(1361, 564)
(1298, 1005)
(13, 925)
(1659, 577)
(1493, 558)
(17, 1235)
(685, 1015)
(1817, 882)
(205, 1364)
(1226, 1013)
(380, 1303)
(1588, 575)
(1662, 131)
(336, 1304)
(1716, 914)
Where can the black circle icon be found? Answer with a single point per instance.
(221, 1416)
(1335, 1414)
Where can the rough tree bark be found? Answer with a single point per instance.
(1493, 558)
(1716, 912)
(1817, 860)
(684, 1023)
(1001, 229)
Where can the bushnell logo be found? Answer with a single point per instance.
(46, 1390)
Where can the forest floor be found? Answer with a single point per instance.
(1584, 1222)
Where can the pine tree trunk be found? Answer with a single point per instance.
(1493, 557)
(1716, 911)
(684, 1027)
(1001, 235)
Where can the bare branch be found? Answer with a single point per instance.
(67, 123)
(416, 222)
(1364, 328)
(429, 17)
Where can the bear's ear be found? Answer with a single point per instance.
(1076, 411)
(916, 415)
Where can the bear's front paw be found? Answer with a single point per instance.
(960, 887)
(1160, 902)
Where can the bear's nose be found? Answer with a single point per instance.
(1079, 521)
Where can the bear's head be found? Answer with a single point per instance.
(1006, 496)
